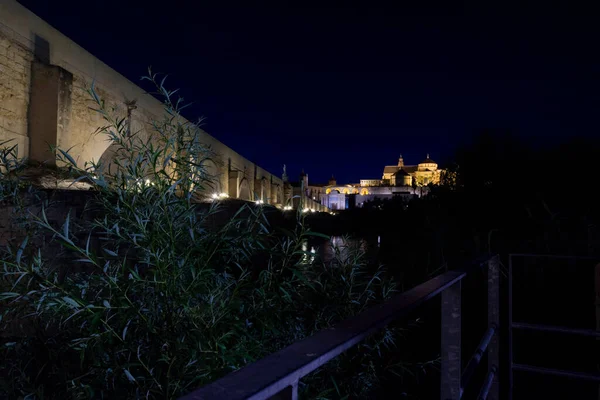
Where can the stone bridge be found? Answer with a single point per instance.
(44, 103)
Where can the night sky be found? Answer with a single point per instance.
(344, 90)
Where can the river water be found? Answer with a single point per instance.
(342, 248)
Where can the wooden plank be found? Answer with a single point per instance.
(493, 349)
(451, 343)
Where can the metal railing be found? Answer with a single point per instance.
(277, 375)
(512, 325)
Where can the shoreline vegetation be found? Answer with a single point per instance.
(143, 295)
(138, 292)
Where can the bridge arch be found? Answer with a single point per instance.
(93, 143)
(244, 192)
(212, 174)
(276, 194)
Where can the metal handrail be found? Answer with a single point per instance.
(278, 374)
(476, 358)
(487, 385)
(555, 329)
(557, 372)
(512, 366)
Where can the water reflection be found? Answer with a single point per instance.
(305, 257)
(340, 248)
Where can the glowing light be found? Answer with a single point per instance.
(306, 210)
(287, 208)
(223, 195)
(259, 202)
(312, 210)
(215, 196)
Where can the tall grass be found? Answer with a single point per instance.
(157, 300)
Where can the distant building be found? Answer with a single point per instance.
(397, 180)
(422, 174)
(305, 196)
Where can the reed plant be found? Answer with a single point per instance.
(157, 300)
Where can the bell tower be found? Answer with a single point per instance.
(400, 161)
(332, 181)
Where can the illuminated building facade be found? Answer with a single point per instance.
(398, 180)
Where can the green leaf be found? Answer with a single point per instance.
(129, 376)
(21, 248)
(317, 234)
(125, 329)
(337, 389)
(110, 252)
(135, 275)
(167, 159)
(71, 302)
(87, 244)
(68, 157)
(287, 295)
(66, 225)
(162, 82)
(8, 295)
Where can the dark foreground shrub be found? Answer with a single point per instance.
(157, 300)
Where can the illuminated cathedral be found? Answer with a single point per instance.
(397, 180)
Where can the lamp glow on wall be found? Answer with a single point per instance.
(139, 183)
(219, 196)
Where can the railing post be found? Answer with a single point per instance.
(493, 349)
(510, 330)
(451, 343)
(288, 393)
(597, 273)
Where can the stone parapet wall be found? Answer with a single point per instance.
(27, 41)
(15, 80)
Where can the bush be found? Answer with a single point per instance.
(158, 301)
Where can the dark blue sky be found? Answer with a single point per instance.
(345, 89)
